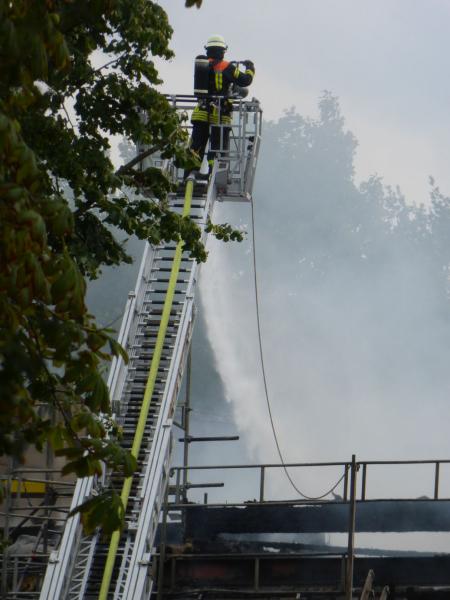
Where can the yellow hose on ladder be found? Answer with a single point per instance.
(154, 366)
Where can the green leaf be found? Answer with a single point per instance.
(105, 510)
(84, 466)
(65, 283)
(56, 438)
(70, 452)
(118, 350)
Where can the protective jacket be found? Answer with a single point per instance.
(221, 75)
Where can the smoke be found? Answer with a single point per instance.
(228, 305)
(354, 315)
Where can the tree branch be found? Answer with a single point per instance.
(127, 167)
(111, 62)
(123, 169)
(67, 115)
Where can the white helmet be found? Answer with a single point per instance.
(216, 41)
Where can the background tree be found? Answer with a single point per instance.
(362, 274)
(60, 197)
(353, 299)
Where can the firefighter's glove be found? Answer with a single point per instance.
(249, 65)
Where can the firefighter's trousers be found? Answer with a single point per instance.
(219, 142)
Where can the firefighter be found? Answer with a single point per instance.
(220, 78)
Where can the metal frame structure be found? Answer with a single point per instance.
(248, 573)
(265, 576)
(34, 509)
(236, 166)
(346, 467)
(75, 568)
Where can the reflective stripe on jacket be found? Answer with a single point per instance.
(225, 73)
(208, 112)
(222, 75)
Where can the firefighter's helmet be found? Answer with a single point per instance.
(216, 41)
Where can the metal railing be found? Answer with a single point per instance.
(344, 473)
(34, 507)
(347, 478)
(236, 163)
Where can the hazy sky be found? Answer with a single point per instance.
(387, 60)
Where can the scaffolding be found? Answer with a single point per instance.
(223, 549)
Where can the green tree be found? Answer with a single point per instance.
(60, 200)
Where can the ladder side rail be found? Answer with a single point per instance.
(126, 338)
(143, 284)
(156, 473)
(117, 362)
(58, 568)
(186, 319)
(144, 270)
(131, 324)
(62, 561)
(146, 403)
(141, 579)
(124, 564)
(154, 484)
(164, 421)
(78, 593)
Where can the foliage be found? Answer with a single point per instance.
(224, 232)
(105, 510)
(60, 200)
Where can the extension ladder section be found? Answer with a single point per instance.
(85, 567)
(76, 570)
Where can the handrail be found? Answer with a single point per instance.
(311, 464)
(349, 469)
(154, 366)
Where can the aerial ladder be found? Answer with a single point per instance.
(156, 331)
